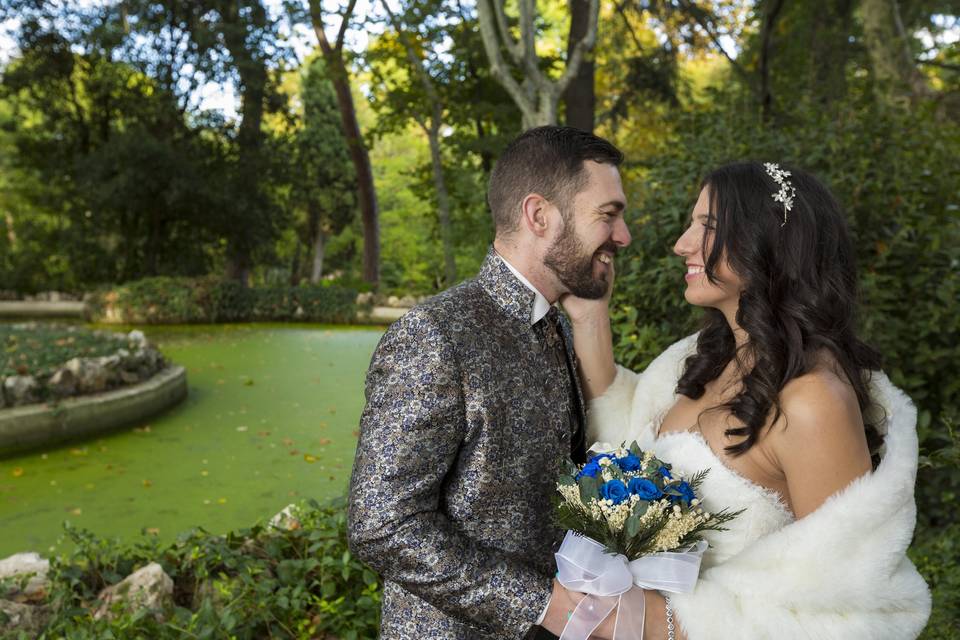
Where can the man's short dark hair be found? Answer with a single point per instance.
(546, 160)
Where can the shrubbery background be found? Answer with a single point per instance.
(895, 172)
(175, 300)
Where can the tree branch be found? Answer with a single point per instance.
(702, 19)
(425, 79)
(514, 48)
(584, 46)
(347, 14)
(942, 65)
(498, 67)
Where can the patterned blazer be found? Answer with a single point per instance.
(469, 416)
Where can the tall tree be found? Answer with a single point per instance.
(323, 174)
(333, 54)
(416, 54)
(579, 98)
(537, 94)
(891, 54)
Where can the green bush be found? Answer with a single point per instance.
(164, 300)
(261, 582)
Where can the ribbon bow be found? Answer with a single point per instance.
(584, 565)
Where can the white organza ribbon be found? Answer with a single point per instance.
(609, 580)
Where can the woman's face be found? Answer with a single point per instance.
(723, 295)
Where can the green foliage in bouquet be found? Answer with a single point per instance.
(634, 504)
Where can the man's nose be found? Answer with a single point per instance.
(621, 233)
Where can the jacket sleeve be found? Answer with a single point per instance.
(411, 434)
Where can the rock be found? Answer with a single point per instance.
(408, 301)
(147, 588)
(137, 336)
(20, 390)
(129, 377)
(90, 375)
(23, 564)
(365, 298)
(287, 519)
(62, 383)
(23, 618)
(393, 301)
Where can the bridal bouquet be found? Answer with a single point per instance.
(632, 522)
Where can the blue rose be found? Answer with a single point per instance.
(590, 469)
(644, 488)
(615, 490)
(629, 462)
(686, 493)
(665, 473)
(600, 456)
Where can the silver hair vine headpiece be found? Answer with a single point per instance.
(787, 192)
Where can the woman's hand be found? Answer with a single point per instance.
(584, 312)
(592, 340)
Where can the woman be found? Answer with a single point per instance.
(788, 409)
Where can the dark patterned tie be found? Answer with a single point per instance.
(553, 335)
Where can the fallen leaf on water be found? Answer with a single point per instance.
(89, 486)
(333, 409)
(221, 501)
(204, 473)
(242, 428)
(294, 452)
(147, 483)
(206, 502)
(287, 442)
(17, 472)
(309, 458)
(221, 381)
(356, 433)
(153, 531)
(44, 456)
(323, 425)
(248, 382)
(78, 452)
(263, 433)
(78, 511)
(325, 441)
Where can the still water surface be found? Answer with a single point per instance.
(271, 418)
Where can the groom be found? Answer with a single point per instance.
(473, 401)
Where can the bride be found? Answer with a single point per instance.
(787, 408)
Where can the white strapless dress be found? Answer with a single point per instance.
(763, 509)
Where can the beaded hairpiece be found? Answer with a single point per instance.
(786, 192)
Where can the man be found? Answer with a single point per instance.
(473, 401)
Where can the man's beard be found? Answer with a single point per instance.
(566, 259)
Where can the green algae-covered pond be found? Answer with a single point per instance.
(271, 418)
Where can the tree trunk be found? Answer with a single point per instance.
(579, 99)
(766, 53)
(369, 213)
(443, 200)
(253, 82)
(830, 50)
(316, 270)
(537, 96)
(888, 46)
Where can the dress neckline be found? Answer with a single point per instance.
(769, 495)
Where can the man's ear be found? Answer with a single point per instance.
(534, 214)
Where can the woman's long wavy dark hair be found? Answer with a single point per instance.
(799, 296)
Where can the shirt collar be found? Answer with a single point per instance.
(540, 304)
